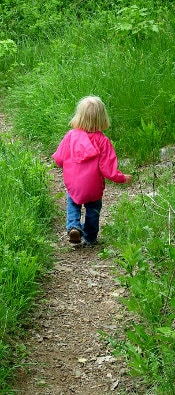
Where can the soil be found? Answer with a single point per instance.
(79, 298)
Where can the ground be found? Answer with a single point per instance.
(79, 297)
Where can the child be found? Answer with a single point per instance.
(87, 158)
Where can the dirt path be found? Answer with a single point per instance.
(79, 297)
(66, 355)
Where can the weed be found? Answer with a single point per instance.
(143, 234)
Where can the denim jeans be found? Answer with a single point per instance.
(90, 227)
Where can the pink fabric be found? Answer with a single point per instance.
(87, 159)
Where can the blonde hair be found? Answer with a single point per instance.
(90, 115)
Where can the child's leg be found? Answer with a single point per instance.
(91, 225)
(73, 215)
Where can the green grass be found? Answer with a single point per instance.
(134, 76)
(26, 211)
(140, 238)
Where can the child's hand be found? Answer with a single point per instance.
(128, 179)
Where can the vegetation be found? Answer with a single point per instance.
(125, 55)
(142, 249)
(25, 212)
(51, 55)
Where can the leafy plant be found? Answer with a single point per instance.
(148, 143)
(7, 47)
(149, 345)
(135, 21)
(26, 211)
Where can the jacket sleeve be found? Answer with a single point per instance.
(108, 163)
(61, 152)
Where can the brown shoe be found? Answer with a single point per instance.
(74, 236)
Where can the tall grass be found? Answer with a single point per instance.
(26, 211)
(140, 237)
(133, 75)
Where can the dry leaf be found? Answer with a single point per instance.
(82, 360)
(114, 385)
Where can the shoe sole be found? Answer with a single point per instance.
(74, 236)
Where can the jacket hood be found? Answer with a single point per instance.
(81, 148)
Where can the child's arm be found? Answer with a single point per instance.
(61, 151)
(108, 164)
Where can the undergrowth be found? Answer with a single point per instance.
(142, 249)
(26, 211)
(124, 55)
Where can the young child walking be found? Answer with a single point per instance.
(87, 158)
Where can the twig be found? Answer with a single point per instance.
(141, 191)
(154, 172)
(173, 273)
(169, 226)
(169, 290)
(153, 201)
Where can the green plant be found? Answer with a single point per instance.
(149, 276)
(135, 21)
(8, 50)
(147, 143)
(26, 212)
(46, 79)
(7, 47)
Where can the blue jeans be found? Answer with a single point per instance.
(90, 227)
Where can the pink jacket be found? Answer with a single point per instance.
(87, 159)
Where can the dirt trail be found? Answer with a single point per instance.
(66, 355)
(79, 297)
